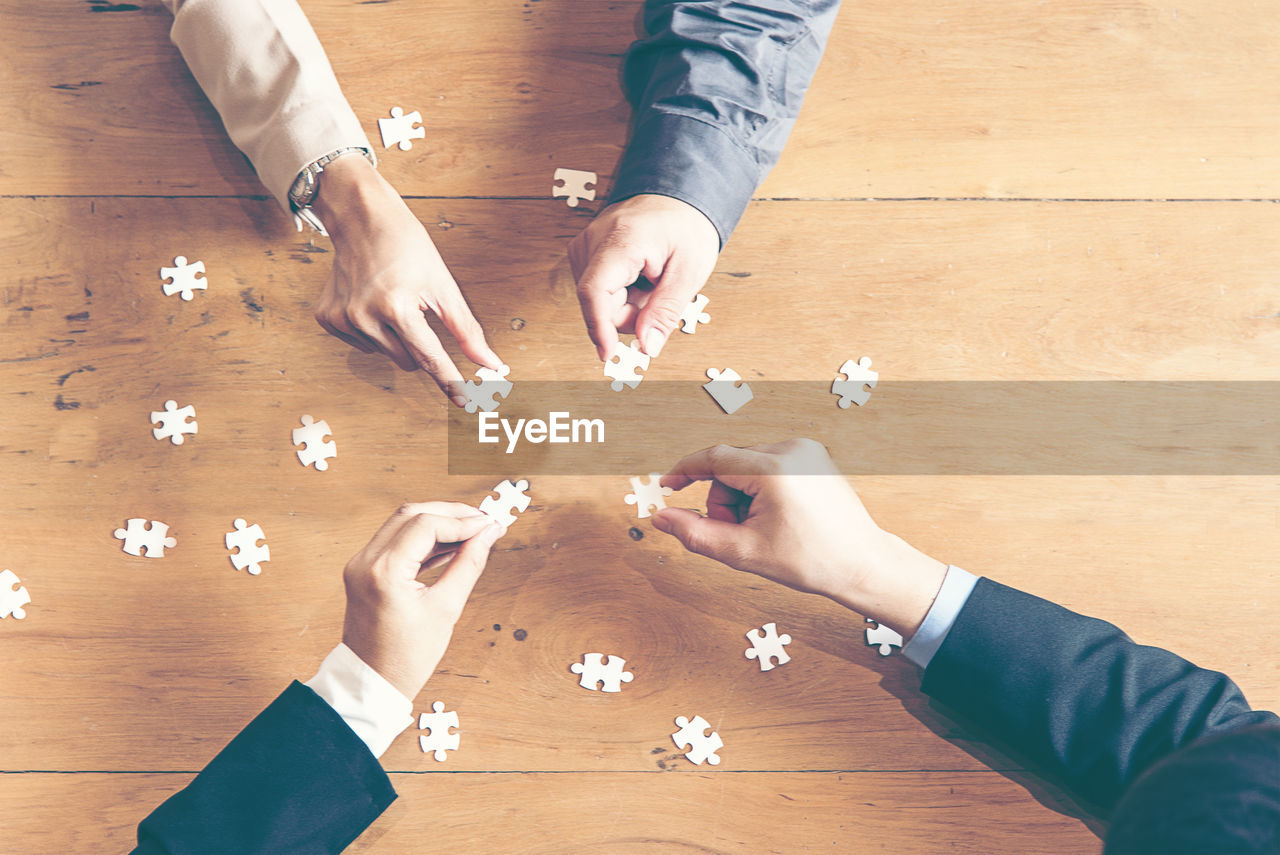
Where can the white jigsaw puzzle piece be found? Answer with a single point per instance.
(697, 745)
(12, 596)
(608, 674)
(858, 374)
(439, 740)
(399, 130)
(695, 314)
(248, 555)
(646, 495)
(728, 389)
(173, 422)
(138, 536)
(625, 367)
(767, 647)
(490, 387)
(883, 637)
(572, 183)
(511, 497)
(314, 451)
(183, 278)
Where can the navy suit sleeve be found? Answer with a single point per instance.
(717, 87)
(296, 780)
(1075, 693)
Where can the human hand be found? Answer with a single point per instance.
(397, 624)
(783, 512)
(669, 242)
(387, 276)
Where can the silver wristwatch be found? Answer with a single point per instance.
(305, 187)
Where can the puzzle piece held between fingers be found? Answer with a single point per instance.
(173, 422)
(694, 314)
(399, 130)
(625, 367)
(728, 389)
(851, 390)
(511, 498)
(486, 392)
(314, 451)
(245, 541)
(608, 674)
(698, 746)
(12, 598)
(767, 647)
(139, 536)
(645, 495)
(883, 637)
(572, 183)
(183, 278)
(440, 740)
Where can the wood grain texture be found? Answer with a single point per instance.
(129, 674)
(1100, 99)
(776, 812)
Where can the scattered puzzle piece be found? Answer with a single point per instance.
(694, 314)
(315, 450)
(625, 367)
(245, 541)
(138, 536)
(850, 390)
(572, 183)
(485, 395)
(608, 674)
(173, 422)
(768, 646)
(12, 598)
(883, 637)
(511, 498)
(399, 130)
(440, 740)
(646, 495)
(728, 389)
(184, 278)
(697, 746)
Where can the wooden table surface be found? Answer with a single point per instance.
(1080, 191)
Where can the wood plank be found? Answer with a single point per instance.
(131, 664)
(1097, 99)
(976, 812)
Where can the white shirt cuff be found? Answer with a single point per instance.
(954, 593)
(370, 706)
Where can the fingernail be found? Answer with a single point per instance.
(653, 342)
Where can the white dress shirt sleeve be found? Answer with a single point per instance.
(371, 706)
(265, 72)
(954, 593)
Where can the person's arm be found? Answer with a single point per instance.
(1072, 692)
(717, 86)
(265, 72)
(304, 775)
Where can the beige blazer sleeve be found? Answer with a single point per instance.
(261, 65)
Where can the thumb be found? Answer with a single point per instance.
(728, 543)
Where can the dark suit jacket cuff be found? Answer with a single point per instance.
(690, 160)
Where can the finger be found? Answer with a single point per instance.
(360, 343)
(739, 468)
(385, 339)
(415, 543)
(602, 289)
(723, 541)
(726, 503)
(429, 354)
(460, 576)
(676, 287)
(461, 323)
